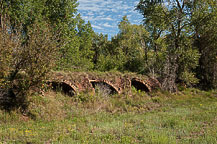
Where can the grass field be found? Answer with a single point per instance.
(157, 118)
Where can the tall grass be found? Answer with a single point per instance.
(156, 118)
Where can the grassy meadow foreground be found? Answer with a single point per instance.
(156, 118)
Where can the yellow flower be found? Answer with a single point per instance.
(28, 132)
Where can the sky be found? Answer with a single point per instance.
(105, 15)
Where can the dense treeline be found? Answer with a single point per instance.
(182, 27)
(177, 43)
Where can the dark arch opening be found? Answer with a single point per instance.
(103, 87)
(139, 85)
(63, 87)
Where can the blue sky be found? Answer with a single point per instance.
(105, 15)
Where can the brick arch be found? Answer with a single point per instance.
(65, 86)
(107, 84)
(140, 85)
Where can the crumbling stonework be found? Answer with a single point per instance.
(119, 83)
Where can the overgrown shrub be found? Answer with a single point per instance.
(25, 59)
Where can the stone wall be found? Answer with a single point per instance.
(117, 82)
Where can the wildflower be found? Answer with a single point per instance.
(28, 132)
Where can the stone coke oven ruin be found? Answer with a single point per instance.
(64, 87)
(110, 83)
(140, 85)
(104, 86)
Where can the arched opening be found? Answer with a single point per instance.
(103, 88)
(139, 85)
(63, 87)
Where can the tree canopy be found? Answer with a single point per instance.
(177, 22)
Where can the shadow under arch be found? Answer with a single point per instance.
(140, 85)
(104, 86)
(63, 87)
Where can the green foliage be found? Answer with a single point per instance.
(106, 55)
(125, 52)
(174, 25)
(131, 41)
(189, 78)
(25, 65)
(100, 46)
(76, 51)
(204, 21)
(107, 63)
(75, 36)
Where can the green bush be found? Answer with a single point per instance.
(26, 59)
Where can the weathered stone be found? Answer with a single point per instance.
(117, 82)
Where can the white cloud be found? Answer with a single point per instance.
(107, 19)
(97, 27)
(106, 14)
(107, 25)
(90, 13)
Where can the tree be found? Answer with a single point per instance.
(77, 53)
(99, 45)
(127, 51)
(131, 42)
(24, 67)
(34, 33)
(85, 34)
(12, 9)
(59, 14)
(205, 40)
(171, 20)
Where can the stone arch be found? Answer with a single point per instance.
(104, 86)
(140, 85)
(64, 87)
(154, 83)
